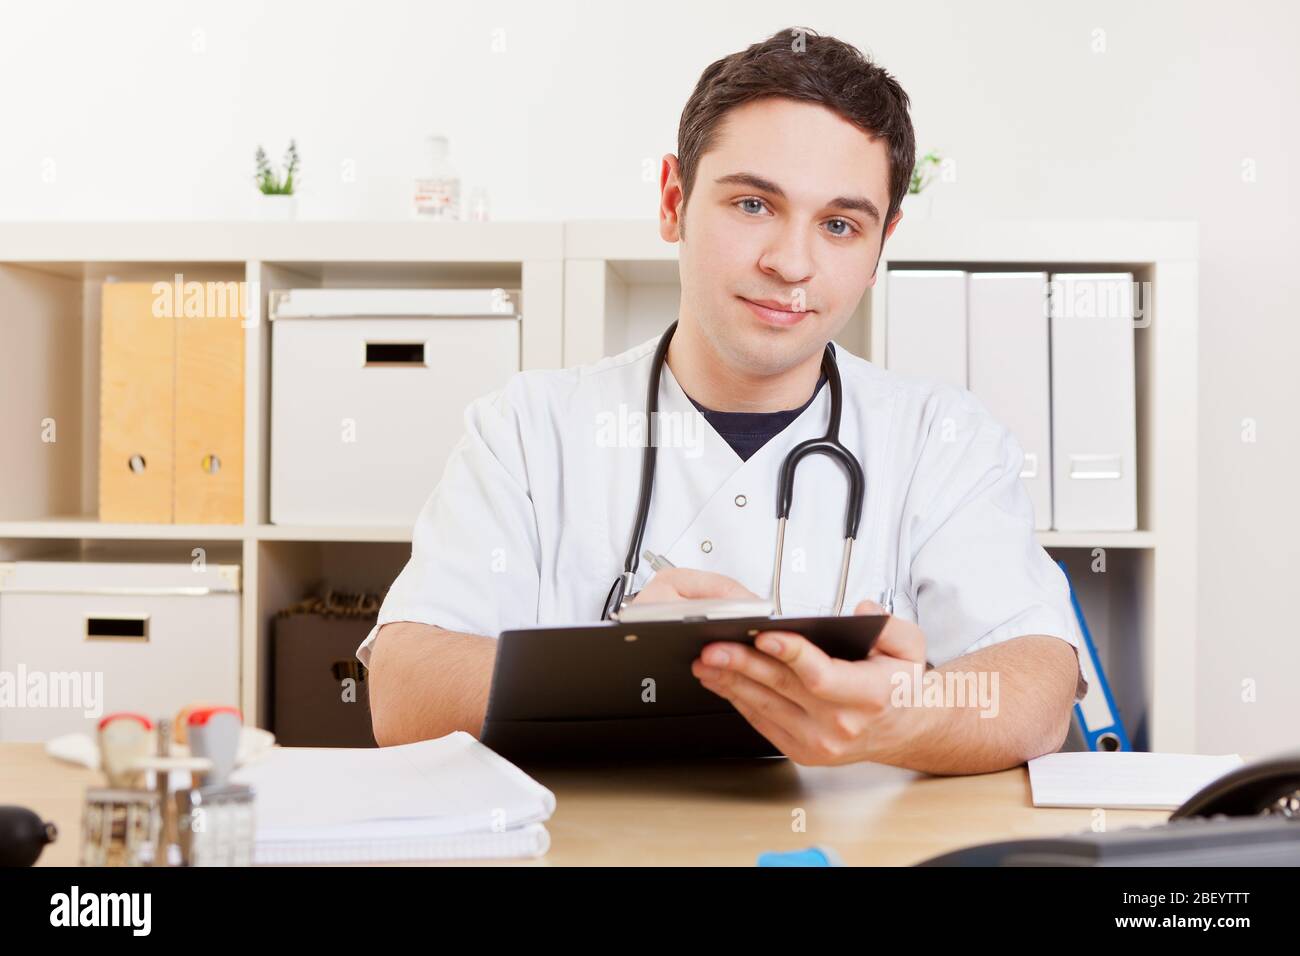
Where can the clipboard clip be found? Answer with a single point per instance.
(706, 609)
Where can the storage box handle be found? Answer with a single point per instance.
(130, 627)
(394, 354)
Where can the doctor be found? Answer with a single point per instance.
(794, 156)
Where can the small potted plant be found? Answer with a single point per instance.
(278, 201)
(915, 203)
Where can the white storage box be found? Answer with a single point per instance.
(368, 394)
(79, 640)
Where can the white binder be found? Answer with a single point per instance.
(1094, 429)
(926, 334)
(1008, 367)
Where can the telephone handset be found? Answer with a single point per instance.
(1267, 788)
(1249, 817)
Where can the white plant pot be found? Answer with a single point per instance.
(277, 207)
(918, 206)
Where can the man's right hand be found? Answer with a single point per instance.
(688, 584)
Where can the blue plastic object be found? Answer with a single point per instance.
(813, 856)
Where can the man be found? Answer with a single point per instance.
(794, 156)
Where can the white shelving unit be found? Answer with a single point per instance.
(621, 287)
(50, 277)
(588, 289)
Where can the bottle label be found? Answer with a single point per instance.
(437, 198)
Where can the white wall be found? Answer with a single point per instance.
(152, 110)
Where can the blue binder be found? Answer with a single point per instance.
(1098, 717)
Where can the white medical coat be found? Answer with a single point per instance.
(531, 520)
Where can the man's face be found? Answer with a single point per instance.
(787, 209)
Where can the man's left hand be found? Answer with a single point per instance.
(814, 708)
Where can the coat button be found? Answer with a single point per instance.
(741, 501)
(706, 546)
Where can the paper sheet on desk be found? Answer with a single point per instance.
(1125, 780)
(450, 785)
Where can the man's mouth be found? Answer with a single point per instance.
(774, 312)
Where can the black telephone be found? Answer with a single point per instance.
(1248, 817)
(1270, 787)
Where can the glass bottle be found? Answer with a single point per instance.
(437, 194)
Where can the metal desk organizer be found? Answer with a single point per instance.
(194, 826)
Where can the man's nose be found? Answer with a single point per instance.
(789, 256)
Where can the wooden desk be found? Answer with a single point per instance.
(722, 814)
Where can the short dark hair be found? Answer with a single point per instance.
(797, 63)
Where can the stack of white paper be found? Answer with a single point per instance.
(1124, 779)
(450, 798)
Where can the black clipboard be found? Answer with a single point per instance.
(581, 693)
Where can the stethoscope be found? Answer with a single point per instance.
(829, 444)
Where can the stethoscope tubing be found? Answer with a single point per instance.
(829, 444)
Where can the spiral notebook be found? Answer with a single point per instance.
(446, 799)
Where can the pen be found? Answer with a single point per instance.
(657, 561)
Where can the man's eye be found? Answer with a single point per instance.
(848, 229)
(751, 205)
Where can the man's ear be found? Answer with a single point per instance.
(893, 224)
(671, 206)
